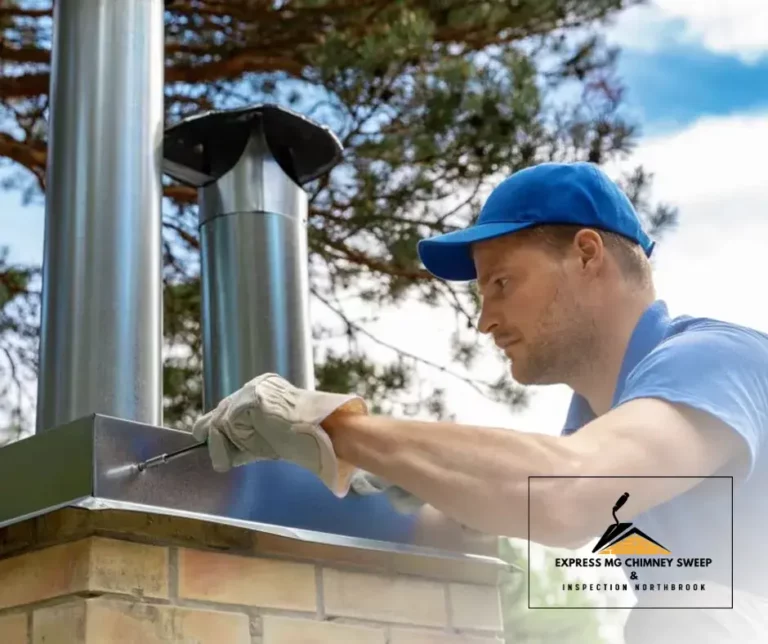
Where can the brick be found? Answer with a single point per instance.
(231, 579)
(70, 524)
(60, 624)
(287, 630)
(404, 636)
(372, 560)
(13, 629)
(43, 574)
(111, 621)
(89, 565)
(385, 598)
(472, 572)
(478, 571)
(128, 568)
(137, 623)
(476, 607)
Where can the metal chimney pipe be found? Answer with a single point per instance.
(101, 333)
(249, 166)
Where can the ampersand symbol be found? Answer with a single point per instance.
(633, 575)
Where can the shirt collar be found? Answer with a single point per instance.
(650, 330)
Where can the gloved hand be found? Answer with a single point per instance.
(365, 483)
(269, 419)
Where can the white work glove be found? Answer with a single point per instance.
(270, 419)
(364, 483)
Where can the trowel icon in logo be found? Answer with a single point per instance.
(623, 539)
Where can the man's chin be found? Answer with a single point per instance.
(526, 377)
(518, 373)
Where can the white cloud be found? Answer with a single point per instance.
(724, 26)
(713, 172)
(723, 157)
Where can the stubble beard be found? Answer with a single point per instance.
(564, 347)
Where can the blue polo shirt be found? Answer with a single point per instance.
(722, 369)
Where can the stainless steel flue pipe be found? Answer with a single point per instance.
(101, 334)
(249, 166)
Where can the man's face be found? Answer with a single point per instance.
(532, 305)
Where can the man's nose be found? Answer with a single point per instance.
(487, 322)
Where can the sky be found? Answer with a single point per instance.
(697, 78)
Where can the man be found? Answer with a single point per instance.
(561, 263)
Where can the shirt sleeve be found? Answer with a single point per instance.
(715, 368)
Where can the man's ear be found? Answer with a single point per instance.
(589, 247)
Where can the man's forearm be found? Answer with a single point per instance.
(476, 475)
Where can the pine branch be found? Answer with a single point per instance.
(354, 327)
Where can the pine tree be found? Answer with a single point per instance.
(433, 100)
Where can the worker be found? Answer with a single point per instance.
(561, 263)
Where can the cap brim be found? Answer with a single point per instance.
(449, 256)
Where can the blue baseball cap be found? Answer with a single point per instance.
(548, 193)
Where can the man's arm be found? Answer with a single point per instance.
(479, 476)
(646, 438)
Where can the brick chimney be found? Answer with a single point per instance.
(78, 576)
